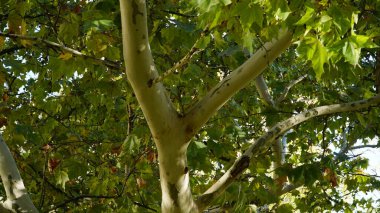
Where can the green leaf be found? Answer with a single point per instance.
(341, 18)
(316, 52)
(363, 41)
(203, 42)
(61, 177)
(216, 19)
(248, 40)
(219, 41)
(285, 208)
(200, 145)
(280, 8)
(325, 18)
(131, 143)
(361, 119)
(351, 52)
(69, 29)
(248, 14)
(226, 2)
(319, 59)
(57, 67)
(308, 15)
(207, 5)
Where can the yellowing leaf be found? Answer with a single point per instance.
(2, 77)
(14, 23)
(26, 43)
(65, 56)
(23, 27)
(1, 43)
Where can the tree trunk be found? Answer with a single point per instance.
(174, 176)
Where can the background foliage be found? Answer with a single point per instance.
(79, 136)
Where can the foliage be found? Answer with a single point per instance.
(80, 138)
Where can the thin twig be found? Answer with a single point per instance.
(80, 197)
(106, 62)
(10, 50)
(287, 88)
(179, 65)
(179, 14)
(365, 146)
(364, 175)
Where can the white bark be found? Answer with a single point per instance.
(170, 131)
(238, 79)
(243, 162)
(278, 145)
(262, 88)
(163, 120)
(141, 71)
(18, 199)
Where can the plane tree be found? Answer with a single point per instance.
(187, 106)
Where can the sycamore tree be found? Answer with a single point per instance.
(188, 106)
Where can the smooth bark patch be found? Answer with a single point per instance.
(135, 12)
(189, 129)
(216, 90)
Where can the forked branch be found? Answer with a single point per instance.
(185, 60)
(242, 163)
(108, 63)
(238, 79)
(141, 70)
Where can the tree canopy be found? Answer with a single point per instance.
(176, 106)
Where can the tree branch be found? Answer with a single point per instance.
(239, 78)
(242, 163)
(179, 14)
(364, 146)
(278, 146)
(262, 88)
(157, 107)
(287, 88)
(108, 63)
(17, 197)
(10, 50)
(81, 197)
(377, 72)
(185, 60)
